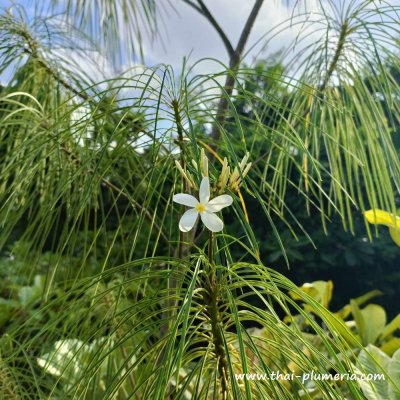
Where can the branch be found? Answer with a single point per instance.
(338, 52)
(195, 6)
(234, 65)
(205, 12)
(247, 29)
(214, 23)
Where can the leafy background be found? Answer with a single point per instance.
(102, 297)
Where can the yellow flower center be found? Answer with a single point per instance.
(200, 207)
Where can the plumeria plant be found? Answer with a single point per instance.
(106, 192)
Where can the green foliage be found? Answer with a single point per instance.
(102, 296)
(368, 324)
(319, 251)
(374, 361)
(119, 325)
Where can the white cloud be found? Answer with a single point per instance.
(82, 63)
(190, 34)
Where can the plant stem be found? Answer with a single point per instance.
(344, 31)
(332, 66)
(211, 248)
(185, 187)
(213, 302)
(180, 252)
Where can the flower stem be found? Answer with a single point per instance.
(211, 248)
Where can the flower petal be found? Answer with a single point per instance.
(382, 217)
(395, 235)
(212, 221)
(185, 199)
(218, 203)
(204, 192)
(188, 220)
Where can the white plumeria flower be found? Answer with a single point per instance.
(204, 206)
